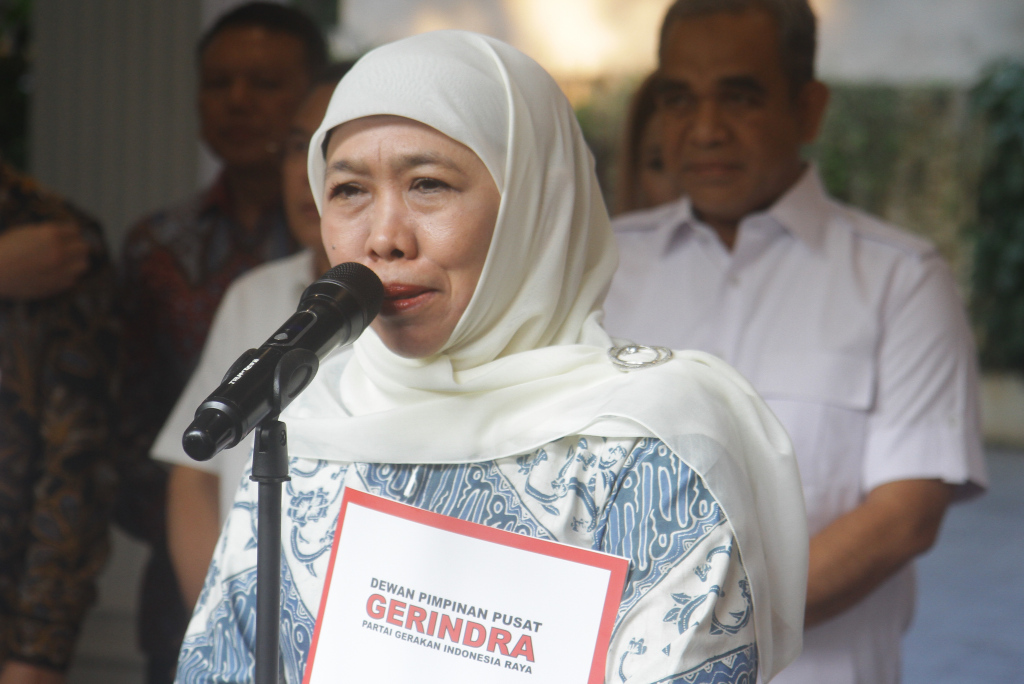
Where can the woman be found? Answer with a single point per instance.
(643, 180)
(451, 165)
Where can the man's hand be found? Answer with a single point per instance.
(40, 260)
(861, 549)
(15, 672)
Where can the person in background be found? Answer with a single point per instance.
(850, 329)
(255, 65)
(643, 181)
(58, 360)
(199, 495)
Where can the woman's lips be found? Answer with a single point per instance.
(399, 297)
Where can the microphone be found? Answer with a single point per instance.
(332, 311)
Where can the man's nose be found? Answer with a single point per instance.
(240, 93)
(708, 127)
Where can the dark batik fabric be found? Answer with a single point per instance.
(176, 265)
(57, 377)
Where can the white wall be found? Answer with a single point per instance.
(914, 41)
(900, 41)
(570, 38)
(113, 122)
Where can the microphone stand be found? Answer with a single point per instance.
(270, 471)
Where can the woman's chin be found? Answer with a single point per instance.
(408, 343)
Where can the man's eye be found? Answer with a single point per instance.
(267, 83)
(296, 146)
(740, 99)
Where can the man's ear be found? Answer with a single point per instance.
(812, 101)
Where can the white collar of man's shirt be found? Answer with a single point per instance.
(802, 211)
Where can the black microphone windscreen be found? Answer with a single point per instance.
(362, 282)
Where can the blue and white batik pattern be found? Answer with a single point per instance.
(686, 614)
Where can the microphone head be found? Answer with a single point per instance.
(361, 282)
(210, 432)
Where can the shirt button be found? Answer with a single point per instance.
(734, 280)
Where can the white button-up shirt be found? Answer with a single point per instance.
(252, 309)
(853, 333)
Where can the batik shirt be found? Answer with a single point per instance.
(176, 265)
(686, 613)
(57, 378)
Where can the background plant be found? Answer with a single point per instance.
(14, 79)
(998, 275)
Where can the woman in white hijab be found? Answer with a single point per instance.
(452, 165)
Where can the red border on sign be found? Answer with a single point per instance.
(616, 566)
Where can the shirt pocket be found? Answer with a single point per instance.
(824, 401)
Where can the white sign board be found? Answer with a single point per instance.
(412, 595)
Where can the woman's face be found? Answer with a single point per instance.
(656, 185)
(419, 209)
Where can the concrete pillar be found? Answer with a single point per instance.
(113, 121)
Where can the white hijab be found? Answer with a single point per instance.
(527, 363)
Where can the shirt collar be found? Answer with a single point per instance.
(678, 221)
(802, 211)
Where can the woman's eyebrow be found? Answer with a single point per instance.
(412, 161)
(344, 165)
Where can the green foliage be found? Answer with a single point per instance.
(602, 118)
(323, 12)
(998, 277)
(14, 69)
(859, 146)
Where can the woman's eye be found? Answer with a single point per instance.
(345, 191)
(429, 185)
(656, 164)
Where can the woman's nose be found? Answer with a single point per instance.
(392, 233)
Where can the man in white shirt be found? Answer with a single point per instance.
(199, 495)
(850, 329)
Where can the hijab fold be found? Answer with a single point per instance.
(527, 362)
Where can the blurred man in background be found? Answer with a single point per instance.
(199, 495)
(849, 328)
(255, 65)
(58, 360)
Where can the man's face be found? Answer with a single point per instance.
(251, 81)
(733, 126)
(299, 206)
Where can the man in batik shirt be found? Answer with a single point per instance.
(58, 348)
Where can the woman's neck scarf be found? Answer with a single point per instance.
(528, 363)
